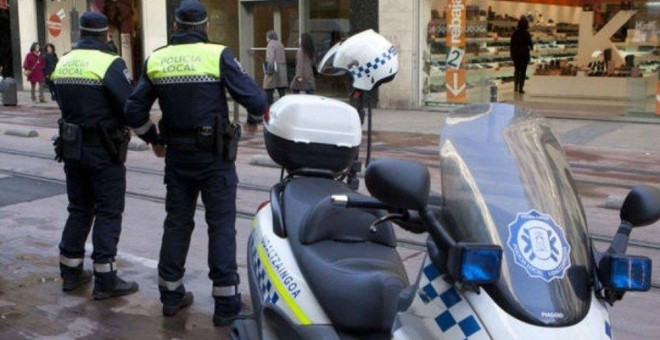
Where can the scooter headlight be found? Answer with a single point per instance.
(625, 273)
(475, 263)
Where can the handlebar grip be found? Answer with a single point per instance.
(358, 202)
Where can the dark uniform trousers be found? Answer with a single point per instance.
(95, 186)
(187, 173)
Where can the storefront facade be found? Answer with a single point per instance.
(584, 51)
(450, 51)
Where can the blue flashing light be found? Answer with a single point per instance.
(480, 264)
(629, 273)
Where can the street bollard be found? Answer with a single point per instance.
(493, 93)
(9, 94)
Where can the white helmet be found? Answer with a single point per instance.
(369, 58)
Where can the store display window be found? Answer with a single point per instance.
(554, 27)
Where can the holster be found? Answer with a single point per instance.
(114, 140)
(231, 138)
(70, 142)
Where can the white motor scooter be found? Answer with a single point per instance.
(509, 256)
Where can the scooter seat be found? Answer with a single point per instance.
(355, 275)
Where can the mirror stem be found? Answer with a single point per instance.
(442, 239)
(620, 241)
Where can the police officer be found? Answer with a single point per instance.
(189, 78)
(91, 87)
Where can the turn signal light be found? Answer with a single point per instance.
(475, 263)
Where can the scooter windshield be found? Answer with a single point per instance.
(506, 181)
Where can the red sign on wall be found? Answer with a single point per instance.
(54, 25)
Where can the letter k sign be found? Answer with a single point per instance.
(588, 42)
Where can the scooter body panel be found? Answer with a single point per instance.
(441, 311)
(278, 277)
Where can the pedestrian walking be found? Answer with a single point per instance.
(33, 68)
(520, 47)
(92, 86)
(275, 74)
(51, 61)
(189, 77)
(305, 66)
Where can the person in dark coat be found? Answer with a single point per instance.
(51, 61)
(520, 47)
(33, 67)
(304, 78)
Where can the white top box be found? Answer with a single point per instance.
(302, 118)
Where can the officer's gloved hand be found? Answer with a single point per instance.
(159, 150)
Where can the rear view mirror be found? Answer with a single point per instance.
(399, 183)
(642, 206)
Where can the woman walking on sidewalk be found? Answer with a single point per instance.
(33, 68)
(305, 59)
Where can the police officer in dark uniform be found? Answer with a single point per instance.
(189, 78)
(91, 87)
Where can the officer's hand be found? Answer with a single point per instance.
(159, 150)
(251, 129)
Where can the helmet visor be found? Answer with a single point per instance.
(326, 66)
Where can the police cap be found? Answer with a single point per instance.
(93, 22)
(191, 13)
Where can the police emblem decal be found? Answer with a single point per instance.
(539, 246)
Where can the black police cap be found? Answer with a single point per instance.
(93, 22)
(191, 13)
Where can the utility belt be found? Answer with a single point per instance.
(219, 139)
(72, 138)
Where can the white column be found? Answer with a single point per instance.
(395, 18)
(154, 25)
(27, 21)
(246, 41)
(277, 22)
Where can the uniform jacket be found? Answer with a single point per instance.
(88, 92)
(195, 96)
(275, 55)
(36, 63)
(520, 46)
(305, 71)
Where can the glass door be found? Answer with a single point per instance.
(256, 19)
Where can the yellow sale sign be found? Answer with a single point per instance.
(456, 28)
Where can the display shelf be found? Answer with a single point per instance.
(618, 88)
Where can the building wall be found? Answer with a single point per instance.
(395, 22)
(154, 25)
(62, 42)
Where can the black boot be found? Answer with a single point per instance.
(72, 273)
(74, 279)
(121, 288)
(172, 309)
(108, 285)
(228, 309)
